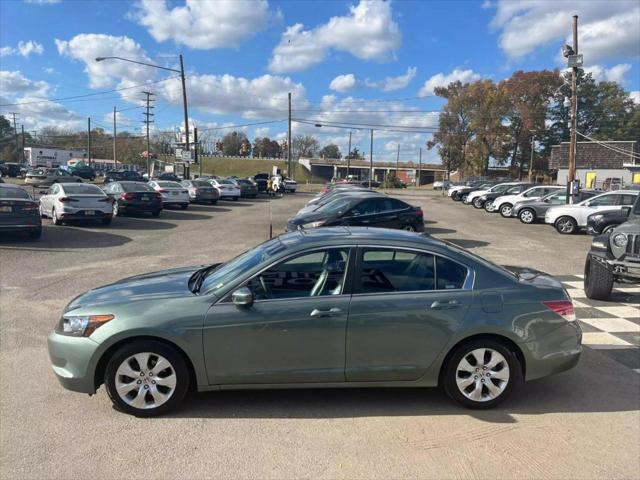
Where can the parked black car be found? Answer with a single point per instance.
(133, 197)
(605, 221)
(18, 211)
(9, 169)
(248, 189)
(122, 175)
(486, 201)
(261, 180)
(613, 257)
(201, 191)
(84, 171)
(460, 194)
(374, 183)
(533, 211)
(363, 211)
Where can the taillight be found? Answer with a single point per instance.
(419, 213)
(564, 308)
(67, 199)
(127, 196)
(30, 206)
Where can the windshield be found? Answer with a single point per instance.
(13, 193)
(230, 271)
(500, 188)
(226, 182)
(80, 189)
(336, 206)
(201, 183)
(169, 185)
(135, 187)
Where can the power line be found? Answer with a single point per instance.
(609, 146)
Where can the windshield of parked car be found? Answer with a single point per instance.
(226, 182)
(13, 193)
(500, 188)
(169, 185)
(135, 187)
(245, 182)
(230, 271)
(337, 205)
(562, 195)
(201, 183)
(82, 189)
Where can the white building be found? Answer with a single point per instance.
(50, 157)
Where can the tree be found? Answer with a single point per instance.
(264, 147)
(232, 143)
(6, 129)
(304, 146)
(354, 154)
(330, 151)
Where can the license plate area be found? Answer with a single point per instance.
(89, 213)
(6, 209)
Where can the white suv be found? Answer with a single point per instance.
(570, 218)
(499, 188)
(505, 204)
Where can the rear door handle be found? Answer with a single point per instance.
(438, 305)
(325, 313)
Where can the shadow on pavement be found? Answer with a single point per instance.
(596, 385)
(63, 237)
(184, 215)
(438, 230)
(466, 243)
(141, 222)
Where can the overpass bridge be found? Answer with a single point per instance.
(408, 172)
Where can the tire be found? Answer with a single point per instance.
(184, 206)
(116, 209)
(409, 228)
(477, 203)
(42, 214)
(508, 381)
(124, 360)
(527, 216)
(598, 280)
(156, 213)
(463, 198)
(54, 217)
(566, 225)
(488, 206)
(506, 209)
(36, 233)
(106, 221)
(455, 197)
(607, 230)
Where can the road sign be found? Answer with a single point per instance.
(184, 155)
(574, 61)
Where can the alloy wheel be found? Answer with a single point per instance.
(506, 210)
(116, 209)
(526, 216)
(482, 375)
(145, 380)
(565, 225)
(409, 228)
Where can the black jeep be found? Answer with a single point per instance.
(614, 257)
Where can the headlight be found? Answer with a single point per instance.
(81, 325)
(620, 240)
(312, 224)
(596, 218)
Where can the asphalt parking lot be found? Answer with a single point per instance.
(584, 423)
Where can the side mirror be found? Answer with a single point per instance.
(587, 204)
(626, 211)
(242, 297)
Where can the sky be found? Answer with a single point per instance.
(368, 62)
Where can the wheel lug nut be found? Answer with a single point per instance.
(142, 374)
(153, 382)
(488, 374)
(139, 382)
(151, 374)
(482, 380)
(475, 377)
(146, 386)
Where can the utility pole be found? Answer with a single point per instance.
(397, 161)
(289, 172)
(349, 156)
(89, 140)
(533, 138)
(115, 160)
(147, 121)
(15, 130)
(22, 128)
(574, 117)
(196, 149)
(419, 167)
(184, 104)
(371, 161)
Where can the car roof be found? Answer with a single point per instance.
(354, 235)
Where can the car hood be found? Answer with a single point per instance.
(632, 226)
(149, 286)
(310, 217)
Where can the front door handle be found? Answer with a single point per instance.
(438, 305)
(326, 313)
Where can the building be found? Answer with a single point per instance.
(50, 157)
(598, 163)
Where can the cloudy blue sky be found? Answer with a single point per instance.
(373, 62)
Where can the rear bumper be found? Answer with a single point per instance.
(140, 207)
(556, 352)
(20, 226)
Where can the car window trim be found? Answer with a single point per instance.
(344, 292)
(468, 284)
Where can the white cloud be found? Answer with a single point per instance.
(27, 48)
(442, 80)
(390, 84)
(606, 29)
(343, 83)
(261, 97)
(613, 74)
(204, 25)
(14, 84)
(6, 51)
(368, 33)
(87, 46)
(635, 96)
(49, 70)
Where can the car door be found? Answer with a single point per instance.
(391, 213)
(364, 214)
(406, 304)
(608, 201)
(294, 332)
(46, 201)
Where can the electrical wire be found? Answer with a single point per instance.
(610, 147)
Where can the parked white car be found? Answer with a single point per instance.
(226, 188)
(505, 204)
(172, 193)
(570, 218)
(65, 202)
(499, 188)
(290, 185)
(441, 184)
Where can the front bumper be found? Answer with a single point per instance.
(74, 360)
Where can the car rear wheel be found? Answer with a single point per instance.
(146, 378)
(455, 197)
(54, 217)
(409, 228)
(527, 216)
(116, 209)
(489, 207)
(598, 280)
(506, 209)
(481, 373)
(566, 225)
(477, 203)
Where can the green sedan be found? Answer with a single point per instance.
(330, 307)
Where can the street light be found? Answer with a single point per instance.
(184, 90)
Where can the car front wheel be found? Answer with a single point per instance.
(481, 373)
(477, 203)
(598, 280)
(146, 378)
(505, 210)
(527, 216)
(566, 225)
